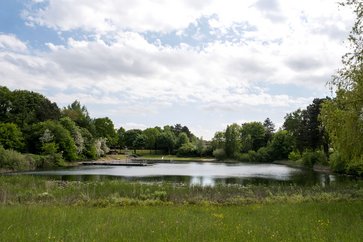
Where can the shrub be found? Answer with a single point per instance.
(219, 154)
(294, 155)
(244, 157)
(253, 156)
(310, 158)
(13, 160)
(264, 155)
(187, 149)
(261, 156)
(355, 166)
(337, 162)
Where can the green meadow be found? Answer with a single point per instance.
(41, 209)
(307, 221)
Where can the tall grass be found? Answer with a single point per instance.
(312, 221)
(36, 208)
(34, 189)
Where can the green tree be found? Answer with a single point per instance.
(26, 108)
(177, 129)
(218, 140)
(252, 136)
(5, 103)
(79, 114)
(89, 150)
(130, 137)
(281, 145)
(104, 128)
(187, 149)
(139, 142)
(296, 124)
(317, 135)
(121, 137)
(200, 147)
(343, 116)
(11, 136)
(269, 129)
(182, 139)
(151, 135)
(51, 131)
(166, 141)
(75, 131)
(232, 140)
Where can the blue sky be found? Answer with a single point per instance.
(204, 64)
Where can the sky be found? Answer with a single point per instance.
(203, 64)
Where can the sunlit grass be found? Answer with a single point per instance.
(312, 221)
(39, 209)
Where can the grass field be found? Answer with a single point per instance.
(312, 221)
(39, 209)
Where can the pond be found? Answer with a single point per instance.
(194, 173)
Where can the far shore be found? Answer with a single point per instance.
(118, 159)
(316, 167)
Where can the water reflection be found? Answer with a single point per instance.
(203, 174)
(202, 181)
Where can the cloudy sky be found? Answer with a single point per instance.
(204, 64)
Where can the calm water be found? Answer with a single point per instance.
(205, 174)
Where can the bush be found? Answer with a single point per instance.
(244, 157)
(261, 156)
(337, 162)
(310, 158)
(219, 154)
(187, 149)
(252, 156)
(355, 167)
(13, 160)
(294, 155)
(264, 155)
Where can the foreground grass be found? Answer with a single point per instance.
(39, 209)
(311, 221)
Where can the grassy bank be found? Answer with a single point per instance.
(311, 221)
(35, 190)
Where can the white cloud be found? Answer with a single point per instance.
(220, 73)
(283, 42)
(12, 43)
(164, 15)
(111, 15)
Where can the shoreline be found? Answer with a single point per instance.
(316, 167)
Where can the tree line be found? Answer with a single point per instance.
(30, 123)
(302, 135)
